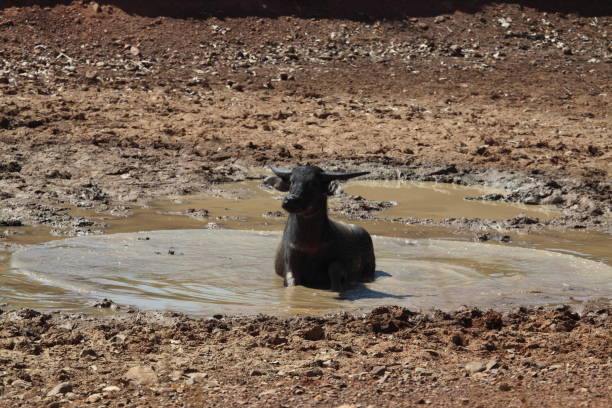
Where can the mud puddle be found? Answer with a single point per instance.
(230, 271)
(438, 201)
(189, 270)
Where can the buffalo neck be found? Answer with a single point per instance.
(309, 228)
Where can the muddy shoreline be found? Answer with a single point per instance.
(585, 205)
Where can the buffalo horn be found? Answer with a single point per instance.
(282, 173)
(343, 176)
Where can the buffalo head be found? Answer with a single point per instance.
(308, 187)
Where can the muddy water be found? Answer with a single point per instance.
(70, 274)
(438, 201)
(207, 271)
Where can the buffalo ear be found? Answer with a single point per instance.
(278, 183)
(334, 187)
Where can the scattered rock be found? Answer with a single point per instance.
(19, 383)
(378, 371)
(198, 377)
(314, 333)
(143, 375)
(314, 372)
(457, 339)
(61, 388)
(88, 353)
(10, 167)
(93, 398)
(493, 320)
(474, 367)
(491, 364)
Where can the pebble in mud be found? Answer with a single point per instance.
(93, 398)
(61, 388)
(505, 387)
(144, 375)
(474, 367)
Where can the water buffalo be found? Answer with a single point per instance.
(316, 251)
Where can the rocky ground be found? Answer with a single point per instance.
(390, 357)
(107, 105)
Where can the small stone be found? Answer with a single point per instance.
(95, 7)
(491, 364)
(88, 353)
(505, 387)
(197, 377)
(456, 50)
(143, 375)
(111, 388)
(481, 151)
(567, 51)
(504, 22)
(378, 371)
(474, 367)
(256, 373)
(457, 339)
(493, 320)
(93, 398)
(135, 51)
(267, 392)
(314, 333)
(61, 388)
(20, 384)
(315, 372)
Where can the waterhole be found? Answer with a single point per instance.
(207, 271)
(177, 265)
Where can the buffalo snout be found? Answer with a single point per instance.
(292, 203)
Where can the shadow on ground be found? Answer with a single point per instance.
(340, 9)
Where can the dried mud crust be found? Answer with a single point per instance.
(388, 357)
(108, 105)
